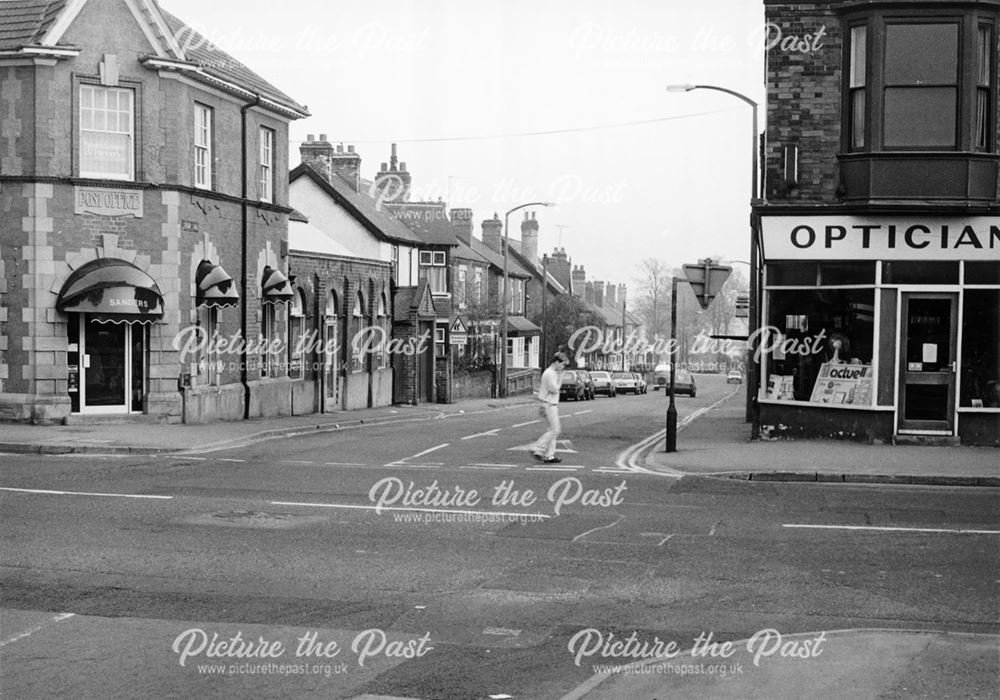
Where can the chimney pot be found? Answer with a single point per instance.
(340, 148)
(402, 166)
(322, 137)
(350, 149)
(310, 137)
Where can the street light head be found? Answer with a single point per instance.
(680, 88)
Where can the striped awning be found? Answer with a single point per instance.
(215, 286)
(275, 287)
(112, 291)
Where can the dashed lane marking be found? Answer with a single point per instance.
(352, 506)
(27, 633)
(48, 492)
(935, 530)
(530, 422)
(491, 433)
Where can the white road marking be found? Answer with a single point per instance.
(27, 633)
(296, 461)
(407, 465)
(491, 433)
(552, 469)
(580, 413)
(602, 527)
(85, 493)
(486, 467)
(892, 529)
(344, 464)
(428, 451)
(225, 459)
(197, 459)
(417, 510)
(530, 422)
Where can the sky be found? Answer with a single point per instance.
(495, 104)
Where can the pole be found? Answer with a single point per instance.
(623, 332)
(672, 408)
(545, 325)
(753, 372)
(503, 320)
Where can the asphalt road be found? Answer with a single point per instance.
(436, 559)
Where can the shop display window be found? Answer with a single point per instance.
(980, 380)
(820, 345)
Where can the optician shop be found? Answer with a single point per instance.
(881, 328)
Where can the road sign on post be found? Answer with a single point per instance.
(706, 280)
(742, 306)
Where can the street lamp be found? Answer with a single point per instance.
(506, 291)
(753, 372)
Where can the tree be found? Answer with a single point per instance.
(653, 302)
(564, 315)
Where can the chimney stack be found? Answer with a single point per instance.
(461, 224)
(392, 184)
(578, 281)
(329, 161)
(559, 267)
(529, 237)
(611, 295)
(588, 292)
(492, 233)
(598, 294)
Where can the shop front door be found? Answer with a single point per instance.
(106, 365)
(927, 345)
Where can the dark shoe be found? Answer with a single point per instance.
(552, 460)
(538, 456)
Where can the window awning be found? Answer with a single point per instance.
(215, 286)
(521, 325)
(114, 291)
(275, 287)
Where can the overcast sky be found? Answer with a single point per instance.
(463, 86)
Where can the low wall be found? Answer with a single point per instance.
(270, 398)
(794, 421)
(472, 385)
(207, 404)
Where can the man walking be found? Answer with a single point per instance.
(548, 394)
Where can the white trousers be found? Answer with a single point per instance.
(546, 444)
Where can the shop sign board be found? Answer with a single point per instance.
(107, 201)
(839, 383)
(880, 238)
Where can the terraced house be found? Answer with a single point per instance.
(143, 191)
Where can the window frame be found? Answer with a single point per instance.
(432, 266)
(132, 135)
(204, 149)
(876, 21)
(296, 330)
(266, 164)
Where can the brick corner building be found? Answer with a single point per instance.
(879, 225)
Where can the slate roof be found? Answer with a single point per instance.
(360, 206)
(514, 268)
(24, 22)
(428, 221)
(216, 62)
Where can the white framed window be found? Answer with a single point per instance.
(267, 332)
(107, 132)
(479, 293)
(266, 164)
(357, 361)
(383, 322)
(439, 338)
(202, 146)
(296, 331)
(463, 272)
(432, 268)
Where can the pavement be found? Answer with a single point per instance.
(717, 443)
(131, 436)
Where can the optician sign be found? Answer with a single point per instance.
(880, 238)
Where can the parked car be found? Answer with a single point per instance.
(734, 377)
(625, 382)
(588, 383)
(571, 386)
(603, 383)
(642, 382)
(683, 383)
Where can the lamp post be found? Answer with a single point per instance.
(506, 291)
(752, 370)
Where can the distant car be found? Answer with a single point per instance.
(588, 383)
(625, 382)
(603, 383)
(661, 376)
(734, 377)
(642, 382)
(684, 383)
(571, 386)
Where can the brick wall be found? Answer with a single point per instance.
(804, 103)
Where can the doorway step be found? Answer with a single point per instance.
(927, 440)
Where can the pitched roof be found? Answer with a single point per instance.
(359, 205)
(25, 22)
(215, 62)
(496, 259)
(429, 221)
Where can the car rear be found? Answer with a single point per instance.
(624, 381)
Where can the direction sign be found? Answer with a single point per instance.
(706, 280)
